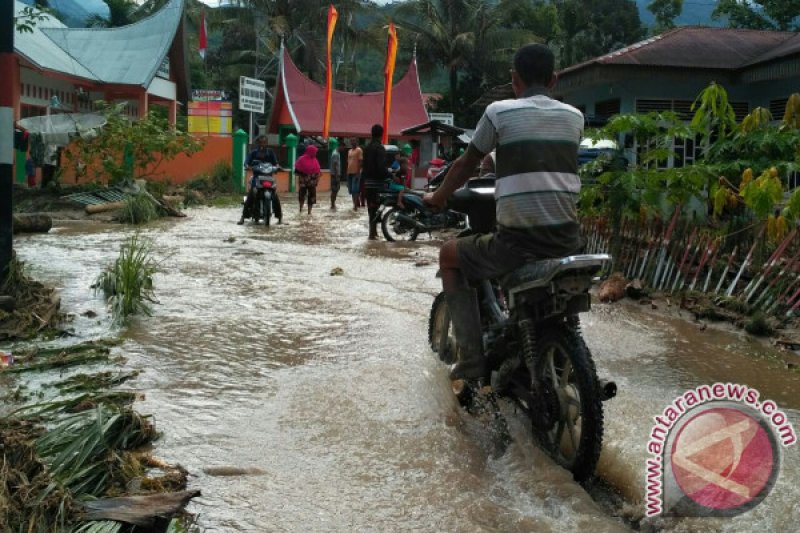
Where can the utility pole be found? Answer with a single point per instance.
(8, 65)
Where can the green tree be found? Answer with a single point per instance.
(590, 28)
(759, 14)
(445, 31)
(148, 141)
(665, 12)
(120, 13)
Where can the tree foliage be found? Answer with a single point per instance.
(760, 14)
(591, 28)
(125, 150)
(665, 12)
(741, 169)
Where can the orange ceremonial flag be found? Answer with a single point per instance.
(391, 55)
(332, 16)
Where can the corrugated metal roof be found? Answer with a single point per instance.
(128, 55)
(700, 47)
(37, 48)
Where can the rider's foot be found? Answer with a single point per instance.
(469, 370)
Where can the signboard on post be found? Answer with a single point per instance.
(252, 93)
(444, 118)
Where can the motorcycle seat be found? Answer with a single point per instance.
(541, 273)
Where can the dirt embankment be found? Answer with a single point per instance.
(717, 311)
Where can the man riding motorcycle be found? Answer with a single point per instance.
(537, 186)
(261, 154)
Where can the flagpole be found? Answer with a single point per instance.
(333, 15)
(202, 45)
(391, 54)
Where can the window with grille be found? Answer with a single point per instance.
(607, 108)
(741, 109)
(778, 108)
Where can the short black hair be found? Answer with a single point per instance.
(534, 63)
(377, 131)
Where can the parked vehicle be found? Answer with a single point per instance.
(265, 184)
(533, 344)
(415, 218)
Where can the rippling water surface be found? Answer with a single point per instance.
(304, 401)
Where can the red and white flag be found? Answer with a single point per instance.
(203, 42)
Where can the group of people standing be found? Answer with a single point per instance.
(364, 170)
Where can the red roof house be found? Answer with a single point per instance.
(300, 103)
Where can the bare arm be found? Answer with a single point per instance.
(461, 171)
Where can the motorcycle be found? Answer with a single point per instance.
(533, 344)
(415, 217)
(265, 185)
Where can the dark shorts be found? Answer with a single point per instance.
(485, 256)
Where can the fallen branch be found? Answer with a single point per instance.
(151, 511)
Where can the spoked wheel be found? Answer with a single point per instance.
(440, 331)
(570, 427)
(396, 225)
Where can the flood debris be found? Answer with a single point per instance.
(76, 437)
(35, 307)
(153, 511)
(613, 288)
(24, 223)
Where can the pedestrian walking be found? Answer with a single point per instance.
(307, 171)
(335, 168)
(355, 160)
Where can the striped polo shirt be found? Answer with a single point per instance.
(537, 185)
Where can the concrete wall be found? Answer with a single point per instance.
(186, 167)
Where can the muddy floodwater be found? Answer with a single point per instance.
(304, 401)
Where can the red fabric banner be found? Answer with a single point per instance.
(391, 56)
(333, 15)
(203, 41)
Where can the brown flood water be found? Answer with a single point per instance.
(304, 401)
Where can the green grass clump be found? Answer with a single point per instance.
(128, 283)
(219, 180)
(139, 209)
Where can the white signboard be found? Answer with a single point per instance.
(208, 95)
(163, 69)
(251, 94)
(444, 118)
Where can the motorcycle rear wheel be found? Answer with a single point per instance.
(395, 229)
(563, 366)
(440, 333)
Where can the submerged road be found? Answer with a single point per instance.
(289, 372)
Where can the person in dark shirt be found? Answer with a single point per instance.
(374, 175)
(261, 154)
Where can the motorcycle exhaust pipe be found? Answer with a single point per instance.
(408, 220)
(608, 389)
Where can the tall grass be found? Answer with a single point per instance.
(139, 208)
(128, 283)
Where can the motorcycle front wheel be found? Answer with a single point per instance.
(395, 228)
(568, 389)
